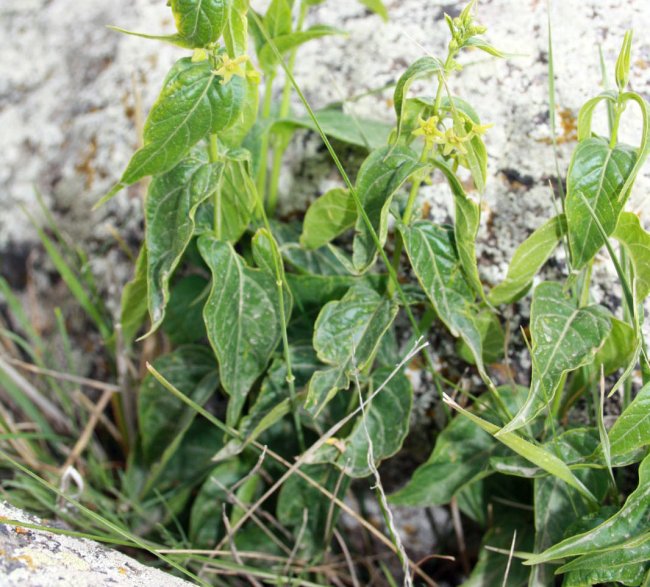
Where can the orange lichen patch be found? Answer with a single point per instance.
(642, 64)
(26, 559)
(21, 530)
(121, 570)
(410, 529)
(568, 126)
(426, 209)
(86, 166)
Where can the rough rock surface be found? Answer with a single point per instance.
(35, 558)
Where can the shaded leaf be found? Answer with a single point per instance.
(462, 454)
(327, 217)
(380, 176)
(528, 259)
(630, 521)
(636, 241)
(597, 173)
(564, 338)
(387, 423)
(556, 503)
(134, 300)
(631, 431)
(531, 452)
(184, 317)
(170, 207)
(346, 335)
(242, 320)
(161, 416)
(434, 257)
(206, 520)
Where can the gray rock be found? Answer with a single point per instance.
(35, 558)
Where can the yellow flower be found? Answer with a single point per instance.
(230, 67)
(430, 131)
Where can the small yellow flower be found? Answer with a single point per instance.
(231, 67)
(429, 130)
(454, 142)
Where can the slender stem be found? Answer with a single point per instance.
(264, 149)
(287, 359)
(281, 283)
(213, 152)
(279, 146)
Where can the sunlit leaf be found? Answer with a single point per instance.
(528, 259)
(598, 174)
(564, 338)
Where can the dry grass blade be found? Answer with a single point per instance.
(84, 381)
(235, 555)
(348, 558)
(56, 417)
(88, 430)
(460, 535)
(510, 555)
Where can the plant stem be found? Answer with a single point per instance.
(264, 148)
(280, 146)
(213, 152)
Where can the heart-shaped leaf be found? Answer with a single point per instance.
(380, 176)
(564, 338)
(170, 207)
(242, 319)
(597, 174)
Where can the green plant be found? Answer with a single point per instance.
(285, 381)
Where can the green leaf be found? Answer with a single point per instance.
(556, 503)
(206, 518)
(297, 499)
(631, 431)
(329, 216)
(461, 455)
(336, 124)
(423, 67)
(466, 225)
(387, 421)
(618, 349)
(626, 565)
(491, 567)
(380, 176)
(623, 62)
(134, 300)
(235, 32)
(161, 416)
(434, 257)
(170, 207)
(483, 45)
(598, 173)
(277, 19)
(192, 104)
(636, 241)
(377, 6)
(564, 338)
(531, 452)
(288, 41)
(492, 339)
(199, 22)
(235, 198)
(233, 136)
(273, 401)
(346, 335)
(183, 322)
(528, 259)
(630, 521)
(242, 320)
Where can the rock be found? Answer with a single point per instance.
(35, 558)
